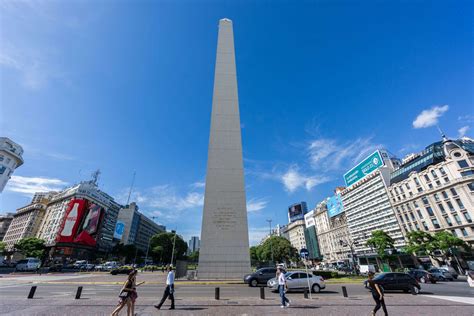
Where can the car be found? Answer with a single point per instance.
(422, 276)
(122, 270)
(28, 264)
(99, 267)
(441, 274)
(110, 265)
(261, 276)
(398, 281)
(451, 270)
(79, 264)
(57, 267)
(298, 280)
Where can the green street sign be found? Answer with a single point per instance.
(366, 167)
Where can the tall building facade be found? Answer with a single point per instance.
(367, 204)
(311, 237)
(130, 218)
(5, 221)
(11, 157)
(146, 229)
(296, 235)
(193, 244)
(434, 190)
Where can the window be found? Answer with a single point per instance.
(411, 193)
(446, 180)
(441, 208)
(406, 217)
(401, 219)
(443, 172)
(448, 221)
(412, 216)
(436, 197)
(417, 182)
(438, 183)
(453, 192)
(1, 157)
(425, 226)
(471, 186)
(408, 186)
(419, 214)
(430, 211)
(464, 232)
(467, 173)
(467, 217)
(433, 173)
(435, 223)
(450, 205)
(461, 206)
(417, 226)
(463, 164)
(420, 189)
(401, 190)
(427, 178)
(415, 203)
(425, 200)
(430, 186)
(457, 219)
(445, 195)
(2, 169)
(396, 190)
(454, 233)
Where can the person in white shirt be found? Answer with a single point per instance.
(169, 290)
(282, 287)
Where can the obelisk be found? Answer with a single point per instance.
(224, 252)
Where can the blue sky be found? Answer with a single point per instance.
(127, 86)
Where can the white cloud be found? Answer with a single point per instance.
(255, 205)
(463, 130)
(198, 185)
(30, 185)
(293, 179)
(429, 117)
(466, 118)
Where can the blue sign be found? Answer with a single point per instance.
(304, 253)
(367, 166)
(119, 228)
(334, 205)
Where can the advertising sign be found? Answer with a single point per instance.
(334, 205)
(87, 235)
(367, 166)
(297, 211)
(119, 228)
(309, 219)
(74, 214)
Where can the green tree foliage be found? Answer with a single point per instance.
(253, 254)
(381, 242)
(420, 243)
(283, 251)
(31, 247)
(126, 253)
(161, 246)
(194, 256)
(3, 246)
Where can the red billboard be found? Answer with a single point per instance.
(88, 232)
(72, 221)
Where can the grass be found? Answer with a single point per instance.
(352, 279)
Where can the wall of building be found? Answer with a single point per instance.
(11, 157)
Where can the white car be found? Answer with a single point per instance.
(298, 280)
(28, 264)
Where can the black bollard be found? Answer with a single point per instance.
(262, 293)
(32, 292)
(344, 291)
(305, 293)
(217, 293)
(79, 292)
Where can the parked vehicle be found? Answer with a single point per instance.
(451, 270)
(298, 280)
(28, 264)
(261, 276)
(110, 265)
(441, 274)
(79, 264)
(391, 281)
(99, 267)
(121, 270)
(364, 269)
(422, 276)
(57, 267)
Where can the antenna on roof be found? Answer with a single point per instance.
(95, 176)
(131, 187)
(443, 136)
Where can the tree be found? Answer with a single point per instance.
(194, 256)
(420, 243)
(381, 242)
(125, 252)
(253, 254)
(282, 249)
(31, 247)
(161, 246)
(3, 246)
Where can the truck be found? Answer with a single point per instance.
(364, 269)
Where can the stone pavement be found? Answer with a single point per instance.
(354, 306)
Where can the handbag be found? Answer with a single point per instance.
(123, 294)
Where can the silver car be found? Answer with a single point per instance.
(298, 280)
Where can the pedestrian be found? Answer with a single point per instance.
(128, 295)
(282, 287)
(377, 294)
(169, 290)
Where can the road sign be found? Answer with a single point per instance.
(304, 253)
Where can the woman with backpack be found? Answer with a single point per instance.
(377, 294)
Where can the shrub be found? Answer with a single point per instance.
(326, 274)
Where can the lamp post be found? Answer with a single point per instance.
(351, 247)
(270, 237)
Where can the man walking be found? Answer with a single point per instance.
(169, 290)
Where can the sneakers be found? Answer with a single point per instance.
(157, 306)
(282, 306)
(288, 303)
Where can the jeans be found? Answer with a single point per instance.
(284, 300)
(169, 292)
(380, 302)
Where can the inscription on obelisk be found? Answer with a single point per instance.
(224, 252)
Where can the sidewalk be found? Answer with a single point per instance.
(357, 305)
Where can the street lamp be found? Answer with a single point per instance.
(351, 247)
(270, 237)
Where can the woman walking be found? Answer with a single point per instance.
(377, 294)
(282, 287)
(128, 295)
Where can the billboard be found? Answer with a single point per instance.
(72, 221)
(297, 211)
(334, 205)
(88, 233)
(119, 228)
(367, 166)
(309, 219)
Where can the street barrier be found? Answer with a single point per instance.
(344, 291)
(32, 291)
(78, 293)
(305, 293)
(262, 293)
(217, 293)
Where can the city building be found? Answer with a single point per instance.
(366, 202)
(434, 189)
(193, 244)
(129, 218)
(295, 231)
(5, 221)
(146, 229)
(10, 158)
(27, 220)
(311, 237)
(80, 220)
(297, 212)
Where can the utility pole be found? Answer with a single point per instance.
(270, 238)
(131, 187)
(174, 243)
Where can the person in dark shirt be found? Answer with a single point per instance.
(377, 294)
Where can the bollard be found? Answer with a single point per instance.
(217, 293)
(32, 292)
(305, 293)
(78, 293)
(344, 291)
(262, 293)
